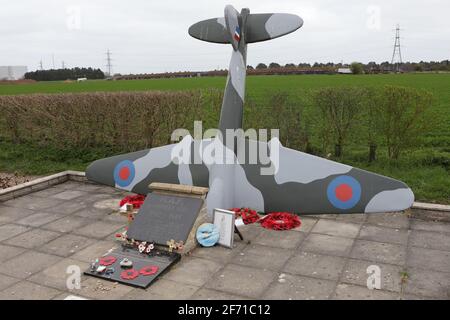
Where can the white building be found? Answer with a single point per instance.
(12, 72)
(344, 71)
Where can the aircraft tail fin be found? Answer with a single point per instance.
(259, 27)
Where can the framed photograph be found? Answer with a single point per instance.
(224, 221)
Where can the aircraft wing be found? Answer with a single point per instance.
(135, 171)
(308, 184)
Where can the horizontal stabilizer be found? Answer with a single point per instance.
(211, 30)
(260, 27)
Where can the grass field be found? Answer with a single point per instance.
(426, 169)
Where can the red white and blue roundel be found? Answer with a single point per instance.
(124, 173)
(344, 192)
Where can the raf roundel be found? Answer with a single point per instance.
(344, 192)
(124, 173)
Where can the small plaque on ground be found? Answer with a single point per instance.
(161, 260)
(164, 217)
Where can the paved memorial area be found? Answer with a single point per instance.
(71, 224)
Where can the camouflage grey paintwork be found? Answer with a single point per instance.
(301, 180)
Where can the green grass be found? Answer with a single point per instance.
(426, 168)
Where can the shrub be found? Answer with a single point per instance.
(402, 117)
(357, 68)
(122, 121)
(338, 110)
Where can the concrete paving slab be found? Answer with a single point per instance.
(219, 253)
(5, 220)
(382, 234)
(95, 288)
(279, 239)
(87, 187)
(240, 280)
(66, 245)
(56, 275)
(292, 287)
(26, 290)
(92, 213)
(336, 228)
(116, 217)
(396, 220)
(315, 265)
(99, 229)
(71, 185)
(307, 224)
(8, 231)
(249, 232)
(431, 240)
(358, 218)
(69, 195)
(324, 244)
(33, 238)
(355, 272)
(208, 294)
(427, 283)
(96, 250)
(431, 226)
(352, 292)
(69, 296)
(263, 257)
(6, 281)
(27, 264)
(38, 219)
(32, 203)
(193, 271)
(163, 289)
(9, 252)
(430, 259)
(14, 213)
(67, 224)
(48, 192)
(379, 252)
(67, 208)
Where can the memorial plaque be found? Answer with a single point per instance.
(165, 217)
(163, 260)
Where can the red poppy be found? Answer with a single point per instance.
(129, 274)
(107, 261)
(249, 216)
(149, 270)
(135, 200)
(280, 221)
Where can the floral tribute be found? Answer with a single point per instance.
(135, 200)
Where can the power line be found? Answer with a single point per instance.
(397, 54)
(108, 62)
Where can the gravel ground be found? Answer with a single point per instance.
(11, 179)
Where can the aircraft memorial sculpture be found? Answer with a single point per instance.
(290, 180)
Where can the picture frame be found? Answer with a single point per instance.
(224, 220)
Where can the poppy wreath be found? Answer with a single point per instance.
(280, 221)
(136, 201)
(107, 261)
(149, 270)
(129, 274)
(249, 216)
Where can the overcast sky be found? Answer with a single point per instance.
(151, 36)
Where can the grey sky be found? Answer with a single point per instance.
(151, 36)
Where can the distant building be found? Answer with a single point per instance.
(344, 71)
(12, 72)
